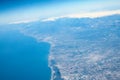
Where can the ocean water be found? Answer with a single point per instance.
(22, 58)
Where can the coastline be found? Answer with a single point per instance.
(22, 57)
(55, 73)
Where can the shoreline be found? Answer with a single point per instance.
(55, 73)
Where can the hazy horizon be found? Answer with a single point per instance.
(22, 10)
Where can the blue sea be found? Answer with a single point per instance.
(22, 58)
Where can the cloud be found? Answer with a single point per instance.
(78, 15)
(24, 21)
(81, 15)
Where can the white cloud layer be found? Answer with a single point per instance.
(78, 15)
(81, 15)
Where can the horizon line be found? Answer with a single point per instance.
(78, 15)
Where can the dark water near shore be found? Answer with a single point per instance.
(22, 58)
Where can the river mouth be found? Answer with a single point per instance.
(22, 57)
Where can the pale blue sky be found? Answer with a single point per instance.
(48, 9)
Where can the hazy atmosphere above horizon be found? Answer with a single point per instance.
(24, 10)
